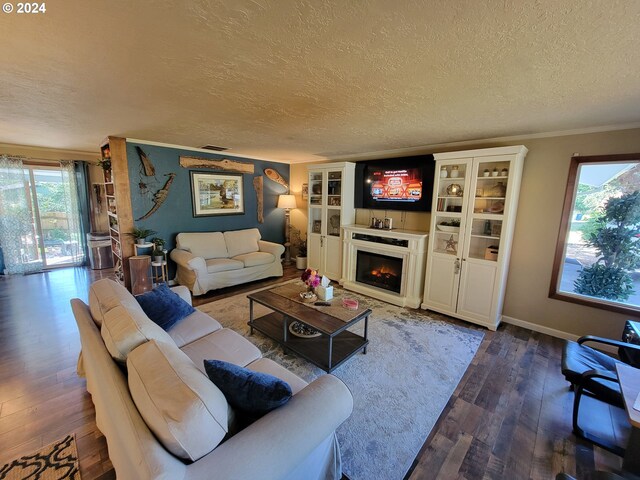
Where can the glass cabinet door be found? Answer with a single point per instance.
(450, 201)
(334, 203)
(491, 183)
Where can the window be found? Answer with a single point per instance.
(597, 259)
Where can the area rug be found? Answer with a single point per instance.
(413, 364)
(56, 461)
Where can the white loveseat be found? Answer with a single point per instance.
(209, 260)
(163, 392)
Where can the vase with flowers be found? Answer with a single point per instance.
(311, 279)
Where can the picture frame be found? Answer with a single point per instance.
(217, 194)
(496, 229)
(317, 226)
(305, 191)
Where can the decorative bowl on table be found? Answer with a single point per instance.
(308, 297)
(301, 330)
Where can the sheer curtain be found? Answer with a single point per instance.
(71, 193)
(17, 232)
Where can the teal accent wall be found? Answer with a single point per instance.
(176, 213)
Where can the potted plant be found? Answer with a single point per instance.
(140, 234)
(301, 257)
(158, 249)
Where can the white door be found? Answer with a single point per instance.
(314, 251)
(477, 290)
(332, 267)
(442, 289)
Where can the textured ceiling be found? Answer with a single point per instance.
(305, 80)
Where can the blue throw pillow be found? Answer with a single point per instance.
(254, 393)
(164, 307)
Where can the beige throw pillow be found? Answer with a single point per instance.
(179, 404)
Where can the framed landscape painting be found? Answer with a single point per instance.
(216, 194)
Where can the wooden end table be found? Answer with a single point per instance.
(328, 351)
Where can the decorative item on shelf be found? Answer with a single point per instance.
(140, 234)
(479, 192)
(497, 207)
(454, 189)
(452, 226)
(105, 163)
(334, 221)
(491, 253)
(487, 227)
(316, 188)
(495, 172)
(504, 172)
(486, 172)
(301, 330)
(498, 190)
(451, 245)
(158, 250)
(388, 223)
(454, 171)
(443, 172)
(317, 226)
(287, 202)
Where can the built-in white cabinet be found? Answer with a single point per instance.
(475, 199)
(330, 207)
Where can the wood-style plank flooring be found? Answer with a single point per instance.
(510, 416)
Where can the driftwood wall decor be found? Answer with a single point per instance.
(276, 177)
(222, 164)
(159, 197)
(257, 186)
(149, 169)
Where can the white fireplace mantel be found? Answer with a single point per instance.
(408, 245)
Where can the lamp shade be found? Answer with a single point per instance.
(287, 201)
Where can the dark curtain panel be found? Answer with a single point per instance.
(82, 180)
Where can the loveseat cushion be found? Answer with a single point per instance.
(186, 412)
(255, 258)
(203, 244)
(216, 265)
(255, 393)
(242, 241)
(104, 295)
(224, 345)
(193, 327)
(126, 326)
(164, 307)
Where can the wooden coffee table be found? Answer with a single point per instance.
(328, 351)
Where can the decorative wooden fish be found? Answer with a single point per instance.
(159, 197)
(149, 169)
(257, 186)
(218, 164)
(276, 177)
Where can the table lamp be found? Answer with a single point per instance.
(287, 202)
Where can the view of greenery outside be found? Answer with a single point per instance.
(603, 251)
(51, 204)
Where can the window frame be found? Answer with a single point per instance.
(561, 243)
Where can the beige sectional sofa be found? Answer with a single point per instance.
(164, 419)
(209, 260)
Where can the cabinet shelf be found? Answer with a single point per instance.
(499, 177)
(494, 237)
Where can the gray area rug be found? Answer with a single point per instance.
(413, 364)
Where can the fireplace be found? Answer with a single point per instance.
(384, 264)
(377, 270)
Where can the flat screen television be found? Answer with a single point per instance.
(396, 183)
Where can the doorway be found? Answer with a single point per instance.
(54, 239)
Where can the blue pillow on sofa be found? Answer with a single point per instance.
(254, 393)
(164, 307)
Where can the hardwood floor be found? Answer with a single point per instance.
(508, 418)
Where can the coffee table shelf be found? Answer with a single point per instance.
(331, 349)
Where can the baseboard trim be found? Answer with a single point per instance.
(553, 332)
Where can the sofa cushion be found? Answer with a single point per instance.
(224, 345)
(255, 259)
(186, 412)
(126, 326)
(255, 393)
(242, 241)
(164, 307)
(215, 265)
(203, 244)
(266, 365)
(193, 327)
(103, 296)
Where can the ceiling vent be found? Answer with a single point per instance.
(215, 148)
